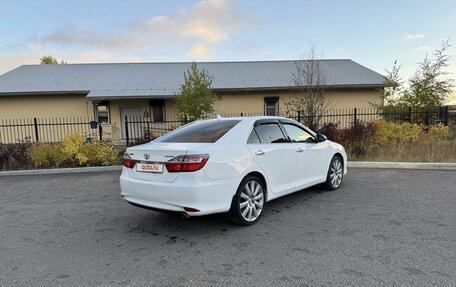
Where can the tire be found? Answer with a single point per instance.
(335, 174)
(247, 205)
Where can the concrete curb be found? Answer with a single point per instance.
(62, 170)
(402, 165)
(351, 164)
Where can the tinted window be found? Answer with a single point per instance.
(297, 134)
(270, 133)
(253, 138)
(202, 132)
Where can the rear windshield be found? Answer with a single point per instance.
(203, 132)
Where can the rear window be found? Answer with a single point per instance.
(202, 132)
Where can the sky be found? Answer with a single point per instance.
(372, 33)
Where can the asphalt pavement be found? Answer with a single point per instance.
(381, 228)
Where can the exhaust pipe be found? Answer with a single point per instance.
(185, 215)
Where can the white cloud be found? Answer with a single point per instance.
(422, 49)
(209, 21)
(195, 32)
(203, 31)
(411, 37)
(199, 51)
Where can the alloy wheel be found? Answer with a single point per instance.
(336, 172)
(251, 200)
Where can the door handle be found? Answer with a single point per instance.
(300, 149)
(259, 152)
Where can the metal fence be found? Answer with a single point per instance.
(135, 130)
(47, 129)
(345, 117)
(139, 129)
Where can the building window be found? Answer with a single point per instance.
(157, 110)
(271, 106)
(102, 112)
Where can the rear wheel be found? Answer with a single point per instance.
(335, 174)
(248, 203)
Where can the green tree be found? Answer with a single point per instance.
(427, 88)
(195, 98)
(429, 85)
(393, 87)
(49, 60)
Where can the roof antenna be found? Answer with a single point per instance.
(218, 117)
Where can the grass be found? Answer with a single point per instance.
(440, 151)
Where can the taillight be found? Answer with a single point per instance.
(127, 162)
(187, 163)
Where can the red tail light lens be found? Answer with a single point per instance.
(187, 163)
(127, 162)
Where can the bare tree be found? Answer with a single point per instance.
(310, 80)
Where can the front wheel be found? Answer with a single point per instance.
(335, 174)
(247, 205)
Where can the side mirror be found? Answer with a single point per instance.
(321, 138)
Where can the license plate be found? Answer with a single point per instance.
(149, 167)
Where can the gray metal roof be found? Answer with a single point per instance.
(129, 80)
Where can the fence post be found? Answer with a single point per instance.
(299, 116)
(185, 119)
(445, 115)
(100, 131)
(355, 115)
(126, 131)
(426, 118)
(410, 114)
(35, 123)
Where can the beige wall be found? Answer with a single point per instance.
(51, 111)
(43, 106)
(227, 103)
(253, 102)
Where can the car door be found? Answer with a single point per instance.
(311, 156)
(274, 153)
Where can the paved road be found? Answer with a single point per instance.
(383, 227)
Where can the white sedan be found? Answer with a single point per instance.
(232, 165)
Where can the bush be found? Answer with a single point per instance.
(73, 152)
(355, 138)
(15, 156)
(330, 130)
(395, 133)
(437, 133)
(388, 141)
(47, 155)
(99, 153)
(147, 137)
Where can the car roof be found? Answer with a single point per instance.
(251, 118)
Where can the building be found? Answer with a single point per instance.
(110, 92)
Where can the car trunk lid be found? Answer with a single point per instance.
(158, 153)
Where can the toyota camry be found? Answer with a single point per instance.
(230, 165)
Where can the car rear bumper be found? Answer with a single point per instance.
(189, 190)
